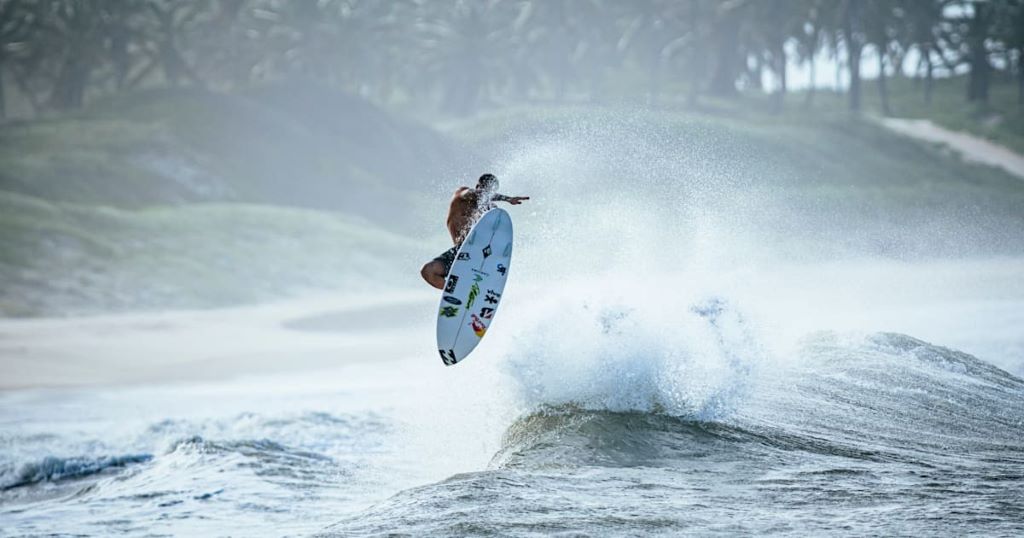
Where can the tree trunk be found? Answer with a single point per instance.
(1020, 77)
(780, 71)
(810, 88)
(853, 49)
(977, 32)
(754, 73)
(69, 90)
(21, 83)
(883, 91)
(929, 78)
(727, 60)
(3, 96)
(853, 64)
(839, 72)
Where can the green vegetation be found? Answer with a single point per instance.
(461, 57)
(87, 224)
(206, 153)
(186, 198)
(314, 149)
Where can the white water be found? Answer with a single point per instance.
(643, 280)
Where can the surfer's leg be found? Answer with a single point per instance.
(436, 270)
(433, 272)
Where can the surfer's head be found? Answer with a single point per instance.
(487, 183)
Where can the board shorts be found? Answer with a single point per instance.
(447, 258)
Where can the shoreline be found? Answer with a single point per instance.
(316, 332)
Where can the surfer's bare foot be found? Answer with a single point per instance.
(433, 272)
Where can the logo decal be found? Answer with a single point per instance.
(487, 251)
(452, 281)
(478, 326)
(487, 312)
(502, 269)
(462, 256)
(452, 300)
(479, 272)
(491, 297)
(477, 278)
(449, 311)
(447, 357)
(473, 292)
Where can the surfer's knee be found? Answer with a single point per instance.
(432, 275)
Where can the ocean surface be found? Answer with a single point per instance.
(630, 420)
(700, 352)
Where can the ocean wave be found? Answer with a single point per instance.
(54, 469)
(620, 388)
(687, 358)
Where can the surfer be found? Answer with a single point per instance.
(467, 206)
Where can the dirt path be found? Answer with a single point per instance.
(972, 148)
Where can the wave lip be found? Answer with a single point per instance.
(694, 356)
(55, 469)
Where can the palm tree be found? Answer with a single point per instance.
(979, 26)
(16, 21)
(1009, 29)
(562, 39)
(923, 20)
(468, 49)
(774, 23)
(880, 17)
(728, 21)
(853, 43)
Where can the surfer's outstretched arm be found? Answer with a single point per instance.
(514, 200)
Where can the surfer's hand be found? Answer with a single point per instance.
(516, 200)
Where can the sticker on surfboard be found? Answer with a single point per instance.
(474, 286)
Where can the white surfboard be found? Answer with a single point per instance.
(474, 286)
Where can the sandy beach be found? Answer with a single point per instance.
(316, 332)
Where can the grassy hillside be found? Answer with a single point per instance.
(283, 145)
(186, 198)
(87, 225)
(61, 258)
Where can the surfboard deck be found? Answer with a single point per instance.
(474, 285)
